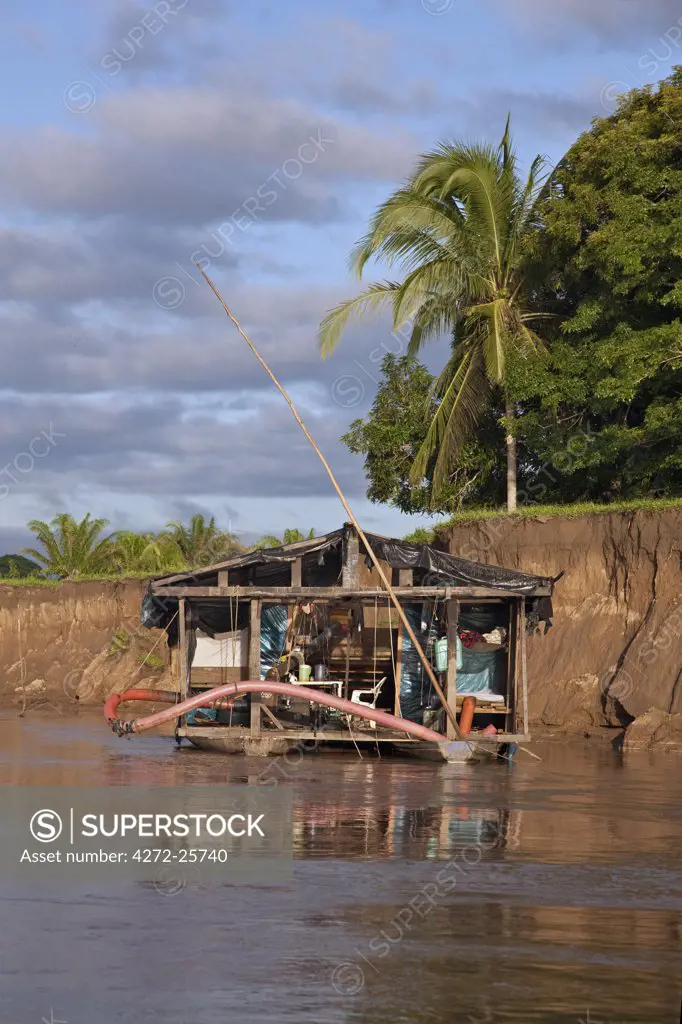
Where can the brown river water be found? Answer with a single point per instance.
(566, 904)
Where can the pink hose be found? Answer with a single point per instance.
(123, 728)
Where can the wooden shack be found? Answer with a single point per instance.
(315, 612)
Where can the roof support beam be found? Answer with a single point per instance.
(339, 593)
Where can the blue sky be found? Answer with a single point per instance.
(260, 136)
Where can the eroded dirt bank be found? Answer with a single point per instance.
(79, 640)
(614, 652)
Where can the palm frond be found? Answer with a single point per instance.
(375, 298)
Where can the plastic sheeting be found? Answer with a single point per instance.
(460, 571)
(273, 631)
(415, 687)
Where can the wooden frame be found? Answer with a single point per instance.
(185, 588)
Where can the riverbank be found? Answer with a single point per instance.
(77, 642)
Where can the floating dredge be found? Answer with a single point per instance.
(297, 646)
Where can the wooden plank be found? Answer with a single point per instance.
(254, 664)
(223, 578)
(327, 736)
(282, 594)
(452, 610)
(272, 718)
(296, 572)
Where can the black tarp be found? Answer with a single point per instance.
(460, 571)
(322, 559)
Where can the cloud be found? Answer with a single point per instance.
(162, 448)
(541, 114)
(190, 156)
(611, 23)
(141, 40)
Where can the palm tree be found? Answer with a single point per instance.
(203, 543)
(295, 536)
(143, 552)
(457, 229)
(71, 548)
(289, 537)
(268, 540)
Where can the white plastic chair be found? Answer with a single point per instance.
(368, 697)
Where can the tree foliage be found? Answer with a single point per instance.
(202, 543)
(70, 548)
(609, 260)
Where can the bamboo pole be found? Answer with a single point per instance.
(360, 532)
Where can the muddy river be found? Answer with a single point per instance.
(538, 891)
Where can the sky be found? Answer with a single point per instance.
(257, 138)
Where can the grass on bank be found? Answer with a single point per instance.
(40, 581)
(575, 511)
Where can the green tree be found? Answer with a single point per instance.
(71, 548)
(608, 260)
(203, 543)
(143, 552)
(295, 536)
(457, 229)
(268, 540)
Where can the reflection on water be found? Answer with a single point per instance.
(422, 892)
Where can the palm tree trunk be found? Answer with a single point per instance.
(511, 460)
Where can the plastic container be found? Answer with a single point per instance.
(440, 654)
(304, 673)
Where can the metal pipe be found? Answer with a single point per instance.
(202, 700)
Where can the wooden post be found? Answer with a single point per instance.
(524, 666)
(254, 663)
(223, 580)
(182, 640)
(452, 608)
(350, 577)
(296, 572)
(511, 675)
(349, 620)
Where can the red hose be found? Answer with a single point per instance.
(123, 728)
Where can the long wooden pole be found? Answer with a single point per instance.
(361, 533)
